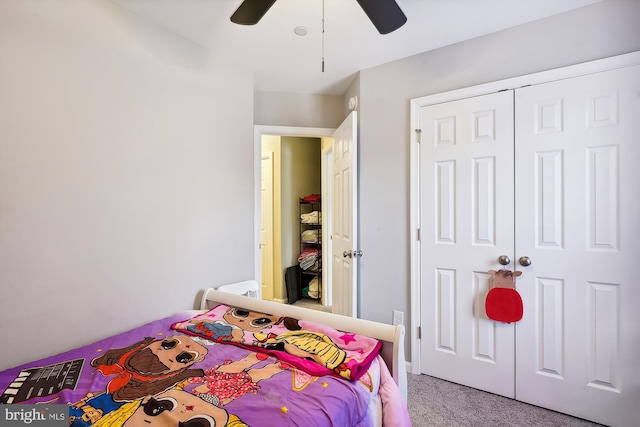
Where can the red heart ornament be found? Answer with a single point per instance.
(504, 305)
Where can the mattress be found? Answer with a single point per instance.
(161, 373)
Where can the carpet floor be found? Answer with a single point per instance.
(439, 403)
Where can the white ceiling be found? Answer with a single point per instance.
(282, 61)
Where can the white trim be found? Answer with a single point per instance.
(268, 156)
(258, 132)
(327, 221)
(627, 60)
(571, 71)
(414, 243)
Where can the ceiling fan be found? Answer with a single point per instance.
(385, 15)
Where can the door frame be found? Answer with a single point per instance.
(327, 223)
(266, 155)
(258, 132)
(416, 104)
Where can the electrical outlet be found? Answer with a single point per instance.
(398, 317)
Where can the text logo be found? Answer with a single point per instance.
(34, 415)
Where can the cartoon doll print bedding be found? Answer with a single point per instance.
(178, 370)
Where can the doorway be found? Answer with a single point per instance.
(267, 139)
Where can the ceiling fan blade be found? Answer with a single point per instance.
(251, 11)
(385, 15)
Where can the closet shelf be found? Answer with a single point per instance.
(310, 260)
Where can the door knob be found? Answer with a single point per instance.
(504, 260)
(524, 261)
(352, 254)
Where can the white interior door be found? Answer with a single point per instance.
(266, 229)
(466, 161)
(344, 238)
(578, 213)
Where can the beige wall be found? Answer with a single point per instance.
(300, 177)
(125, 187)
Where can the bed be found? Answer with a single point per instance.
(236, 362)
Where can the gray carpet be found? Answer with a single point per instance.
(435, 402)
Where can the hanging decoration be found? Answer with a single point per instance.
(503, 302)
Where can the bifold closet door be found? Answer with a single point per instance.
(467, 214)
(578, 221)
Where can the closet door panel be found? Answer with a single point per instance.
(466, 224)
(577, 210)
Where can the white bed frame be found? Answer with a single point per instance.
(392, 337)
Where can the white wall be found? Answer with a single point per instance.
(294, 109)
(126, 180)
(604, 29)
(115, 195)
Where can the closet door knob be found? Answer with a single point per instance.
(524, 261)
(346, 254)
(504, 260)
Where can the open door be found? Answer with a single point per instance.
(344, 237)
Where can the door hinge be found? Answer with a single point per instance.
(418, 135)
(418, 234)
(419, 332)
